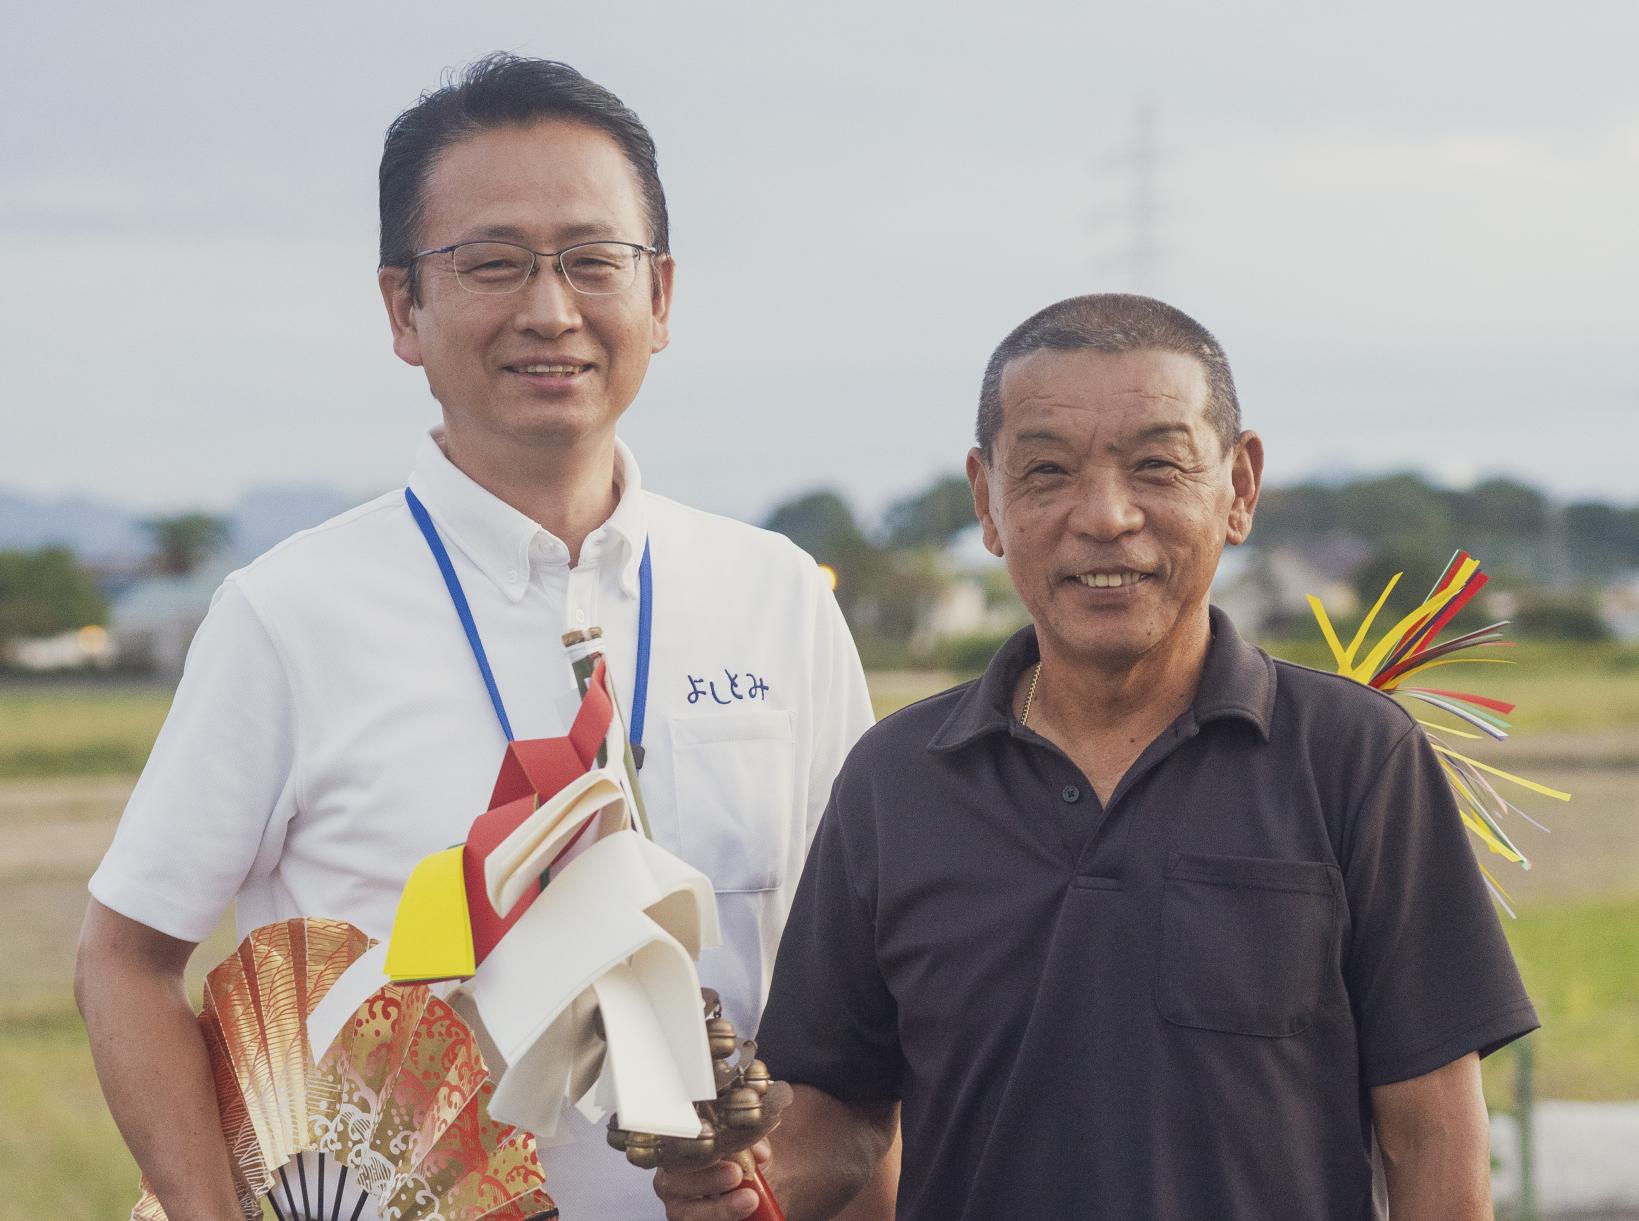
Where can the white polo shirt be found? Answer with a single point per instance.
(332, 728)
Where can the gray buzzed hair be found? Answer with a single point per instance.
(1113, 323)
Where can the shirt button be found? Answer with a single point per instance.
(580, 616)
(1071, 794)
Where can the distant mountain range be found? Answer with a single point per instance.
(109, 536)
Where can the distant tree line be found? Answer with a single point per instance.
(1552, 556)
(891, 571)
(1398, 522)
(1406, 520)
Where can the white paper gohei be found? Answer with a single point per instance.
(519, 859)
(616, 932)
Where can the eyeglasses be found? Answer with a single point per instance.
(490, 268)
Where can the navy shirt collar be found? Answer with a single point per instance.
(1238, 682)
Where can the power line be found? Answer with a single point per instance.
(1128, 186)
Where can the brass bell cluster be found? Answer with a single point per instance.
(746, 1109)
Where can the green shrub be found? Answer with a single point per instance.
(1547, 617)
(967, 656)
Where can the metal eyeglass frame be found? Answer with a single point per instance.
(536, 256)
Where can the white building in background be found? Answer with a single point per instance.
(1619, 607)
(89, 648)
(153, 622)
(1259, 588)
(967, 608)
(975, 601)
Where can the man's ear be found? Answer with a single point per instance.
(664, 277)
(1246, 475)
(395, 294)
(978, 478)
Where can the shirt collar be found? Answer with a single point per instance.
(1237, 682)
(504, 543)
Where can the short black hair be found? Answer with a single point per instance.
(1113, 322)
(502, 90)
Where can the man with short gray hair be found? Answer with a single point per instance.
(1141, 925)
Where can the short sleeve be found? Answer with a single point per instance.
(1430, 975)
(842, 704)
(221, 772)
(830, 1021)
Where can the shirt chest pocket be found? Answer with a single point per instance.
(734, 773)
(1246, 943)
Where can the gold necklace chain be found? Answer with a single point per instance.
(1030, 695)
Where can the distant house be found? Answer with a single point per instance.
(967, 607)
(975, 600)
(1264, 590)
(154, 620)
(1619, 607)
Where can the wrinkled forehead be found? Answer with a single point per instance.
(1113, 396)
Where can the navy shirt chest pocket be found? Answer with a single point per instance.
(1247, 943)
(735, 780)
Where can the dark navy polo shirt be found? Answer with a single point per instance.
(1171, 1008)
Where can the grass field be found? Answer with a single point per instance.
(78, 730)
(1558, 687)
(68, 757)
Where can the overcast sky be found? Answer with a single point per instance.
(1412, 227)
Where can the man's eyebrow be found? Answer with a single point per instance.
(1151, 433)
(501, 233)
(1157, 431)
(585, 232)
(1040, 434)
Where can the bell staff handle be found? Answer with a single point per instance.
(768, 1208)
(584, 650)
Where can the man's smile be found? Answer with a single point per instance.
(549, 374)
(1116, 578)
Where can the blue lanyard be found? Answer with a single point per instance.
(645, 623)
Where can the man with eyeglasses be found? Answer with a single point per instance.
(335, 723)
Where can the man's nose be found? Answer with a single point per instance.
(1105, 507)
(546, 304)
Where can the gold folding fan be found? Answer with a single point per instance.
(393, 1122)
